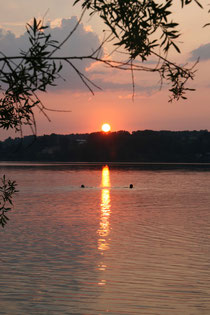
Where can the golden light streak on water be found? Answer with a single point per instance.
(105, 182)
(104, 227)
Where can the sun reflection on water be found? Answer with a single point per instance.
(104, 228)
(105, 182)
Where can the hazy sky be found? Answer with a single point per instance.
(150, 109)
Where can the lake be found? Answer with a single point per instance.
(106, 248)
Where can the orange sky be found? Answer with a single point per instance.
(150, 109)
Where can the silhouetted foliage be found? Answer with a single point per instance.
(140, 27)
(7, 189)
(34, 72)
(122, 146)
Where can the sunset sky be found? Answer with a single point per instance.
(150, 109)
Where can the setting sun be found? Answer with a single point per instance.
(105, 127)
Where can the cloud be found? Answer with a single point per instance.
(203, 52)
(56, 23)
(130, 96)
(82, 43)
(10, 45)
(118, 86)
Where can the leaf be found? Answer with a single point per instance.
(207, 24)
(75, 2)
(198, 3)
(35, 26)
(176, 47)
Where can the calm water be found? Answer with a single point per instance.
(105, 248)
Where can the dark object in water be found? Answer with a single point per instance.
(82, 186)
(131, 186)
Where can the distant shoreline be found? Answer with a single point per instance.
(141, 148)
(143, 165)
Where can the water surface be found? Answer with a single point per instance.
(105, 248)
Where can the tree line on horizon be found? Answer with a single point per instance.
(120, 146)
